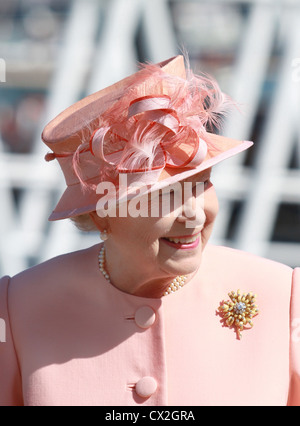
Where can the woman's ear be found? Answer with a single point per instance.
(100, 222)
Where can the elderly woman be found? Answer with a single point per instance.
(152, 315)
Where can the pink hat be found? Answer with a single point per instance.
(152, 126)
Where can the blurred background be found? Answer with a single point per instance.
(54, 52)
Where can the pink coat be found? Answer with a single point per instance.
(73, 339)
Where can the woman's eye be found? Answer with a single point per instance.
(204, 183)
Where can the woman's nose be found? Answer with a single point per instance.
(192, 218)
(192, 212)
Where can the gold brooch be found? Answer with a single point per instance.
(239, 310)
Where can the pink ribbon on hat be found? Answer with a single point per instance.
(178, 147)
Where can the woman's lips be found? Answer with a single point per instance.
(183, 243)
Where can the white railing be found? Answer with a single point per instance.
(25, 235)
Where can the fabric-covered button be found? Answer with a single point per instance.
(146, 387)
(145, 317)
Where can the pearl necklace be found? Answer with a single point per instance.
(175, 285)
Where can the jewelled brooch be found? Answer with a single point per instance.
(239, 310)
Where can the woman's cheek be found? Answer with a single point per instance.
(211, 208)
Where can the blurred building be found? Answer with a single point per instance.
(54, 52)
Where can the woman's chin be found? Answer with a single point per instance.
(185, 258)
(185, 266)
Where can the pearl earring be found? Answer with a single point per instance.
(104, 235)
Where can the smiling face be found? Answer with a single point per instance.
(148, 252)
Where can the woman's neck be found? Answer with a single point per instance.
(136, 279)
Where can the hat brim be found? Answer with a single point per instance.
(77, 201)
